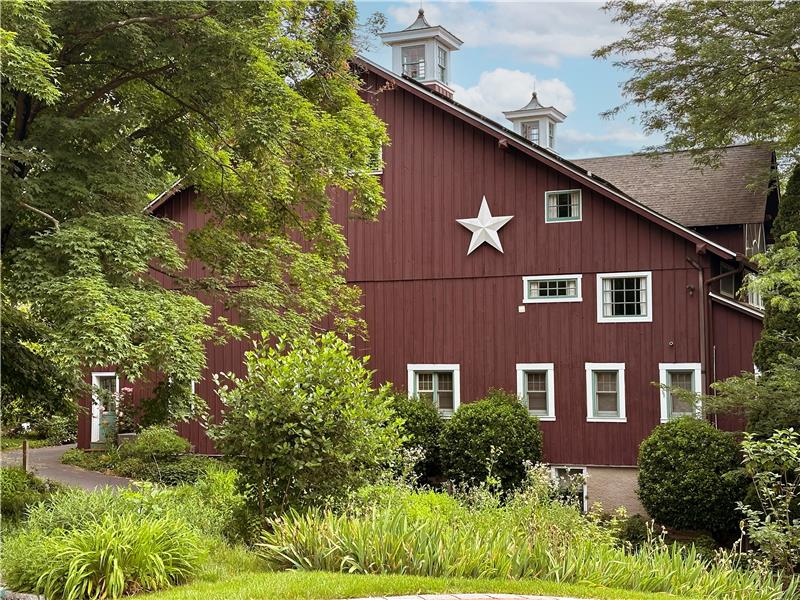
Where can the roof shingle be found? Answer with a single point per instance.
(672, 185)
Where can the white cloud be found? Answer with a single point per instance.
(505, 89)
(621, 135)
(541, 32)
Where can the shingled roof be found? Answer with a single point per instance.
(672, 185)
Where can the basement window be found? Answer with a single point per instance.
(563, 205)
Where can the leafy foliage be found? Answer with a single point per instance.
(115, 556)
(154, 443)
(773, 526)
(20, 490)
(58, 429)
(685, 476)
(696, 65)
(103, 108)
(495, 432)
(305, 423)
(422, 428)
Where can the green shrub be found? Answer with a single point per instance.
(685, 477)
(496, 432)
(183, 469)
(155, 443)
(423, 427)
(20, 490)
(92, 461)
(115, 556)
(58, 429)
(305, 424)
(633, 531)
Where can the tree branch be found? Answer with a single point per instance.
(42, 213)
(146, 19)
(81, 107)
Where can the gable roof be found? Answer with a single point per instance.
(548, 157)
(711, 196)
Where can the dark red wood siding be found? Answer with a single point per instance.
(426, 301)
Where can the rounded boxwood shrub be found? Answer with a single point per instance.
(422, 426)
(685, 476)
(498, 430)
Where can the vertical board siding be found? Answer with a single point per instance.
(426, 301)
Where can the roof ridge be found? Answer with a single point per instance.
(667, 152)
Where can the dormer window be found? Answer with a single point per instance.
(530, 131)
(414, 61)
(442, 56)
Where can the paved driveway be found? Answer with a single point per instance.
(46, 462)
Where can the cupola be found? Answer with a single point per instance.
(421, 51)
(536, 123)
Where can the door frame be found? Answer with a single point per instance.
(96, 406)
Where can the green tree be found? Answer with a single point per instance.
(709, 74)
(781, 333)
(105, 104)
(305, 424)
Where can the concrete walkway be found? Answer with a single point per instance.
(46, 463)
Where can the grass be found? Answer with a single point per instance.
(236, 574)
(8, 442)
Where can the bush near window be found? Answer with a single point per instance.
(19, 490)
(496, 431)
(422, 427)
(58, 429)
(305, 424)
(688, 476)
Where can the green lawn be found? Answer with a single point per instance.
(15, 443)
(235, 574)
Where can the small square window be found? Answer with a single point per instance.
(438, 384)
(535, 389)
(624, 297)
(684, 376)
(605, 392)
(562, 206)
(552, 288)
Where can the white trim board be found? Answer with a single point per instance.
(94, 434)
(648, 318)
(662, 380)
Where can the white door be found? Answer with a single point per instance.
(109, 383)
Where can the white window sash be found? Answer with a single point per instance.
(414, 368)
(591, 417)
(664, 370)
(556, 219)
(602, 287)
(527, 299)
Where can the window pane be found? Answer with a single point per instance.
(605, 386)
(424, 383)
(445, 400)
(624, 296)
(564, 205)
(444, 391)
(536, 391)
(684, 380)
(445, 381)
(414, 61)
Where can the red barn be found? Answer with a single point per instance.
(498, 263)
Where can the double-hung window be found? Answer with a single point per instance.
(442, 64)
(562, 205)
(679, 376)
(535, 383)
(605, 392)
(551, 288)
(624, 297)
(413, 58)
(438, 384)
(530, 131)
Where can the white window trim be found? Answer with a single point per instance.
(94, 433)
(648, 318)
(527, 300)
(584, 472)
(413, 368)
(380, 157)
(570, 219)
(549, 368)
(663, 369)
(590, 369)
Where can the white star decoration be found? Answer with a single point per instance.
(484, 228)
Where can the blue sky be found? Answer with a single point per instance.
(510, 47)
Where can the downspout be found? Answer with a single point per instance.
(706, 321)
